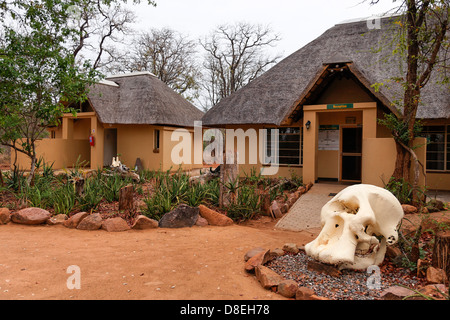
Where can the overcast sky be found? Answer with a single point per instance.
(296, 21)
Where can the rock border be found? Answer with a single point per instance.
(255, 260)
(94, 221)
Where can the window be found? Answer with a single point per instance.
(289, 145)
(438, 147)
(156, 141)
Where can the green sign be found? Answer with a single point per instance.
(340, 106)
(329, 127)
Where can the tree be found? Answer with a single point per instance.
(100, 25)
(234, 57)
(423, 43)
(169, 55)
(42, 69)
(38, 75)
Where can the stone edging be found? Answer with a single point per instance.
(270, 280)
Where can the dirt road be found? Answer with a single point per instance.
(198, 263)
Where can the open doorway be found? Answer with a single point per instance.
(110, 146)
(351, 153)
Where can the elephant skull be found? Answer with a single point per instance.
(357, 224)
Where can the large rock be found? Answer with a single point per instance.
(31, 216)
(116, 224)
(91, 222)
(436, 275)
(5, 215)
(182, 216)
(214, 218)
(268, 278)
(142, 222)
(74, 220)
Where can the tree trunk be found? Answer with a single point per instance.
(126, 200)
(441, 252)
(402, 164)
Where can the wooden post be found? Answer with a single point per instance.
(441, 252)
(229, 174)
(126, 200)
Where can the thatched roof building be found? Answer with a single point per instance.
(141, 98)
(352, 49)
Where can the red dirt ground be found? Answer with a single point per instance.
(198, 263)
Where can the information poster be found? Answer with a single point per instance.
(329, 137)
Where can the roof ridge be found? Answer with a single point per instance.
(131, 74)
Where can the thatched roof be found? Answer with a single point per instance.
(141, 98)
(281, 91)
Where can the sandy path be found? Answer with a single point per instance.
(189, 263)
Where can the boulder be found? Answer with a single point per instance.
(142, 222)
(58, 219)
(91, 222)
(180, 217)
(31, 216)
(116, 224)
(5, 215)
(74, 220)
(214, 218)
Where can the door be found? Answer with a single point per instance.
(110, 146)
(351, 153)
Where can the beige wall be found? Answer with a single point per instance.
(379, 156)
(64, 153)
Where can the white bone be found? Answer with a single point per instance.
(352, 222)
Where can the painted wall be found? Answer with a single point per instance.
(62, 152)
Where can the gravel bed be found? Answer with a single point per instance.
(350, 285)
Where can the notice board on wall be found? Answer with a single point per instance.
(328, 137)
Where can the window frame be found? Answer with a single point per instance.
(300, 146)
(445, 143)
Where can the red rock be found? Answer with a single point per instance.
(5, 215)
(58, 219)
(408, 209)
(288, 288)
(75, 219)
(116, 224)
(276, 211)
(91, 222)
(214, 218)
(304, 293)
(436, 275)
(267, 277)
(323, 268)
(143, 222)
(259, 258)
(31, 216)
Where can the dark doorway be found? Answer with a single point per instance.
(110, 146)
(351, 153)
